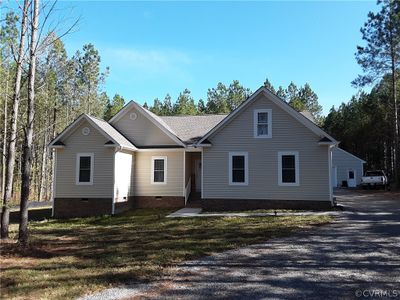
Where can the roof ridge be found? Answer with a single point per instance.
(190, 116)
(97, 118)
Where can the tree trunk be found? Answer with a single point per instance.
(27, 158)
(396, 126)
(4, 153)
(43, 169)
(53, 135)
(5, 217)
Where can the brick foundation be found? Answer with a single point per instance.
(123, 205)
(248, 204)
(81, 207)
(158, 202)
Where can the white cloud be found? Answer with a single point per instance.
(148, 61)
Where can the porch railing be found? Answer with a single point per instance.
(188, 189)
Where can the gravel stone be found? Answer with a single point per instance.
(359, 252)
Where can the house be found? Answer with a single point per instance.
(262, 155)
(347, 169)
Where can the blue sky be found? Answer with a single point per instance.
(155, 48)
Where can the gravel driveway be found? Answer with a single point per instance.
(358, 256)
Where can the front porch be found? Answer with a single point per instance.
(193, 165)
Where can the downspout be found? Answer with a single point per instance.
(54, 181)
(330, 175)
(114, 192)
(202, 171)
(184, 176)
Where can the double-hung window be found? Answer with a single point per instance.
(84, 168)
(238, 168)
(263, 123)
(288, 168)
(159, 170)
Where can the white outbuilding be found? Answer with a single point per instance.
(347, 169)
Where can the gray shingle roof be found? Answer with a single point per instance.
(191, 128)
(308, 115)
(112, 132)
(160, 120)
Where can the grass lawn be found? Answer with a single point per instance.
(69, 258)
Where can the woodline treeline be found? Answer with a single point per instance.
(43, 89)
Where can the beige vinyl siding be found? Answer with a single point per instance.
(287, 135)
(142, 132)
(142, 177)
(344, 161)
(75, 143)
(123, 175)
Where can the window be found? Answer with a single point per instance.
(84, 168)
(263, 123)
(351, 174)
(238, 168)
(288, 168)
(159, 170)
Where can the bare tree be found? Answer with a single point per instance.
(4, 153)
(28, 142)
(5, 217)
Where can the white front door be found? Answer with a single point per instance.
(351, 178)
(197, 174)
(334, 176)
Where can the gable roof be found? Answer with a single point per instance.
(102, 126)
(280, 103)
(350, 154)
(156, 120)
(190, 129)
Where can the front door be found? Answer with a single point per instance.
(197, 174)
(351, 178)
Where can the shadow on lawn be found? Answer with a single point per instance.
(69, 257)
(35, 214)
(359, 251)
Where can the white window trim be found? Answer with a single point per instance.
(348, 175)
(297, 171)
(255, 121)
(246, 168)
(78, 156)
(165, 169)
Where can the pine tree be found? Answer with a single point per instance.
(11, 151)
(309, 99)
(268, 85)
(281, 93)
(236, 95)
(8, 42)
(157, 107)
(114, 106)
(217, 99)
(90, 79)
(167, 108)
(28, 142)
(185, 105)
(381, 56)
(201, 107)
